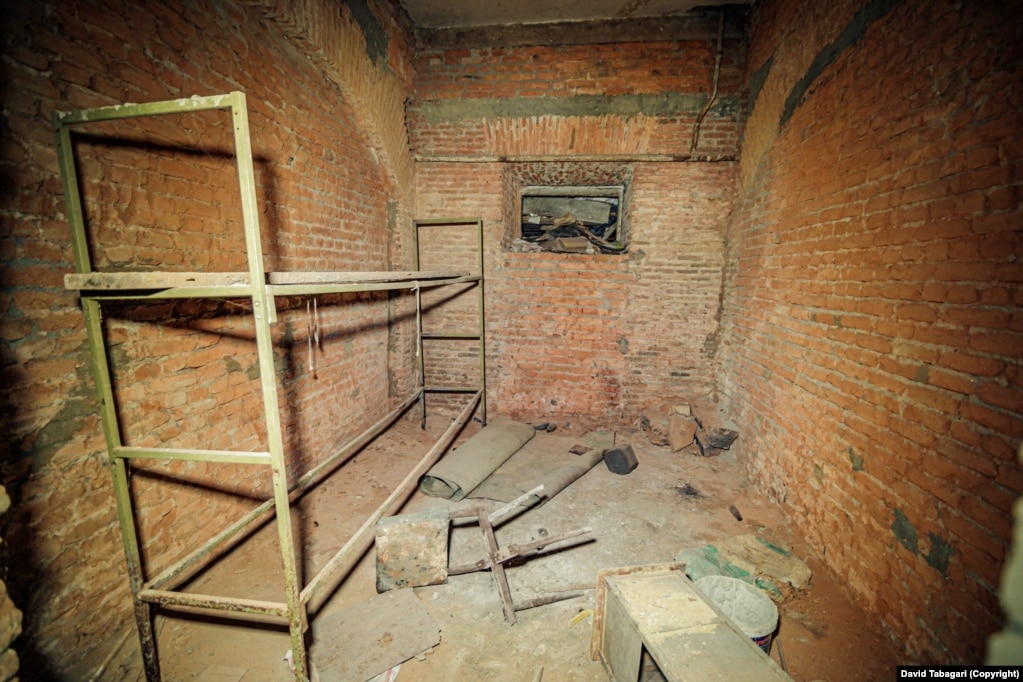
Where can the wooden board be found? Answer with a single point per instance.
(114, 281)
(687, 636)
(353, 277)
(361, 642)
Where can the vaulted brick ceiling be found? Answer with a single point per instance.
(465, 13)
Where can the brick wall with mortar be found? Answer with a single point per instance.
(595, 336)
(334, 181)
(871, 332)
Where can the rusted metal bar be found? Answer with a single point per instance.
(546, 599)
(534, 158)
(498, 568)
(540, 546)
(214, 602)
(480, 565)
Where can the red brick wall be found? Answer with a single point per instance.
(595, 336)
(624, 87)
(871, 334)
(163, 193)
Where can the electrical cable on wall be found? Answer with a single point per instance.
(714, 92)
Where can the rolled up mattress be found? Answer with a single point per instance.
(454, 476)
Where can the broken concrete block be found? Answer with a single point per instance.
(716, 430)
(621, 460)
(655, 421)
(681, 431)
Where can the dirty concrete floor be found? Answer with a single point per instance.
(669, 502)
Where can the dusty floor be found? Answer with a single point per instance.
(645, 517)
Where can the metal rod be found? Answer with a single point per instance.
(342, 563)
(184, 454)
(452, 389)
(426, 222)
(498, 569)
(420, 367)
(539, 546)
(482, 323)
(547, 599)
(119, 111)
(264, 314)
(714, 94)
(535, 158)
(781, 656)
(339, 288)
(122, 486)
(214, 602)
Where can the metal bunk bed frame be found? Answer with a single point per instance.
(262, 289)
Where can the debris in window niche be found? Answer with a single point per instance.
(562, 222)
(522, 246)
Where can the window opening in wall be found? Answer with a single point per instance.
(573, 219)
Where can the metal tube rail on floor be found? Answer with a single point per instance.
(345, 560)
(194, 562)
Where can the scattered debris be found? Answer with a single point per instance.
(716, 431)
(656, 422)
(572, 245)
(577, 225)
(497, 558)
(549, 428)
(688, 490)
(579, 449)
(749, 558)
(735, 512)
(579, 617)
(621, 460)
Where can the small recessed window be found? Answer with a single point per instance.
(573, 219)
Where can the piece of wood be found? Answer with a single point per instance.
(342, 277)
(118, 281)
(570, 244)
